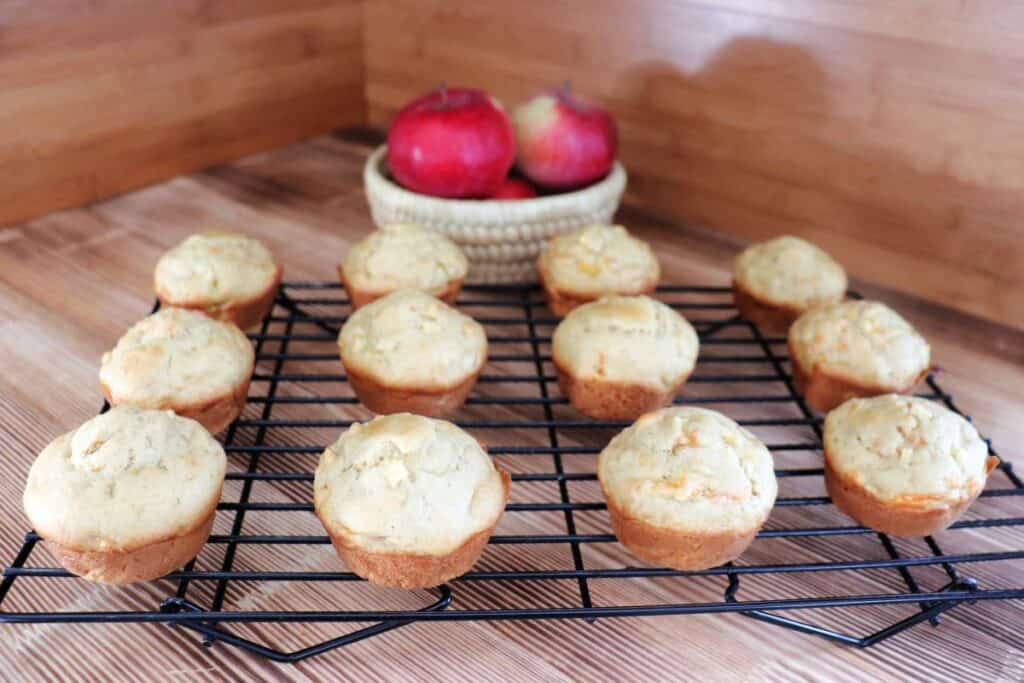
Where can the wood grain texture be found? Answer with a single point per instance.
(72, 282)
(888, 132)
(102, 97)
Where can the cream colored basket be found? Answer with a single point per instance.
(501, 237)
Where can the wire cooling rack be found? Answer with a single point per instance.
(268, 566)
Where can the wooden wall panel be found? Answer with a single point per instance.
(892, 133)
(103, 96)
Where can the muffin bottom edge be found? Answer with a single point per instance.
(675, 548)
(859, 504)
(143, 564)
(412, 570)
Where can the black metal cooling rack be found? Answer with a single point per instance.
(552, 556)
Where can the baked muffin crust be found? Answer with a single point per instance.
(226, 275)
(407, 483)
(176, 358)
(690, 469)
(411, 339)
(126, 479)
(215, 268)
(906, 450)
(790, 272)
(865, 342)
(635, 340)
(594, 261)
(399, 256)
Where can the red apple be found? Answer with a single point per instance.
(564, 141)
(515, 188)
(452, 143)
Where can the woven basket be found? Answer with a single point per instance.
(501, 237)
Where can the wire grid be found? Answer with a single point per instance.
(552, 555)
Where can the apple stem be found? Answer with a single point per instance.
(566, 87)
(444, 92)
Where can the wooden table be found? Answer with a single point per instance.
(70, 283)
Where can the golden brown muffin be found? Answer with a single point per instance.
(776, 281)
(128, 496)
(619, 357)
(408, 501)
(599, 260)
(403, 256)
(687, 488)
(225, 275)
(411, 352)
(903, 465)
(181, 360)
(855, 348)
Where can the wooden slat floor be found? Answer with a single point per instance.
(71, 282)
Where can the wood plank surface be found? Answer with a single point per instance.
(888, 132)
(103, 97)
(71, 282)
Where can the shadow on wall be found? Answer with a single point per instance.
(759, 140)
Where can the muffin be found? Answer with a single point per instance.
(855, 348)
(408, 501)
(619, 357)
(903, 465)
(687, 488)
(411, 352)
(401, 256)
(775, 281)
(128, 496)
(225, 275)
(181, 360)
(599, 260)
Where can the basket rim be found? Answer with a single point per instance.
(613, 183)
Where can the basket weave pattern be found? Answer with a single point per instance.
(501, 238)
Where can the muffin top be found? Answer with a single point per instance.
(175, 358)
(788, 271)
(125, 479)
(404, 255)
(599, 259)
(906, 450)
(409, 338)
(632, 339)
(406, 483)
(214, 268)
(689, 468)
(863, 341)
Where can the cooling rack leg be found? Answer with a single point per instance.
(929, 612)
(211, 632)
(908, 578)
